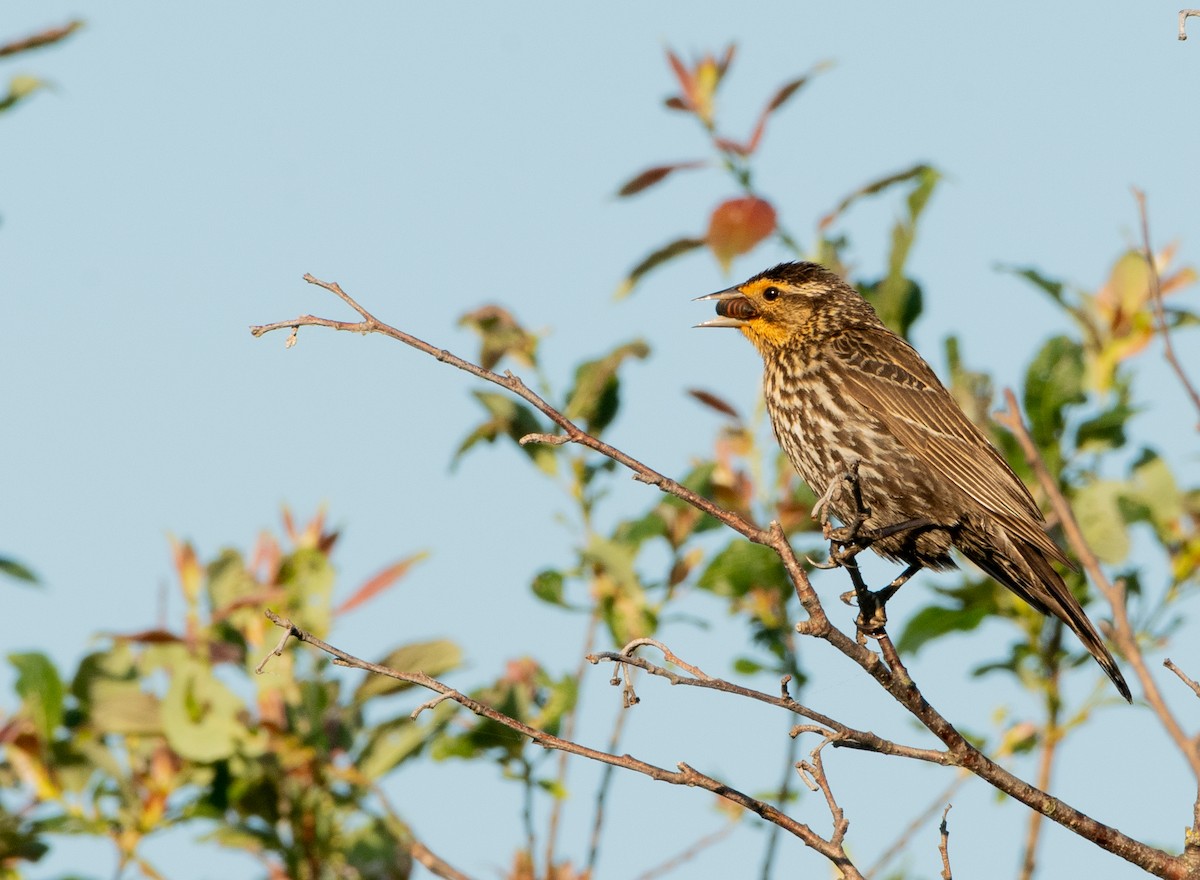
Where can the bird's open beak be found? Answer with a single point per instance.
(733, 309)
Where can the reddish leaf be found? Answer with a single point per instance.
(711, 400)
(148, 637)
(651, 176)
(726, 59)
(379, 583)
(737, 226)
(686, 81)
(727, 145)
(675, 103)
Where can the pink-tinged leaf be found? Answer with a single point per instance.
(686, 81)
(728, 145)
(726, 59)
(380, 582)
(713, 402)
(756, 135)
(737, 226)
(660, 256)
(289, 525)
(654, 175)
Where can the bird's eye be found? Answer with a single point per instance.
(771, 294)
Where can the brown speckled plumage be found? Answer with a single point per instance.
(841, 388)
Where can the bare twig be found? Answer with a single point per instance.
(668, 655)
(690, 853)
(891, 676)
(1184, 15)
(814, 776)
(434, 864)
(1195, 686)
(944, 845)
(568, 731)
(40, 39)
(848, 737)
(1050, 738)
(905, 837)
(685, 775)
(602, 790)
(1156, 297)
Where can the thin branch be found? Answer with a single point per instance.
(905, 837)
(1184, 15)
(1122, 629)
(606, 777)
(944, 845)
(890, 675)
(685, 775)
(1160, 315)
(676, 861)
(1170, 664)
(814, 776)
(847, 737)
(568, 730)
(1051, 737)
(434, 864)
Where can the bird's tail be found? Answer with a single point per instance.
(1029, 574)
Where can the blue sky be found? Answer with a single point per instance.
(189, 167)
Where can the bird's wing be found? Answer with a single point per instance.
(889, 378)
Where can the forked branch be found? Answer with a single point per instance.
(886, 667)
(832, 849)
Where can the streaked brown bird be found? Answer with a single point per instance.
(873, 432)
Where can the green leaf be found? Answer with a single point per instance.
(308, 577)
(899, 302)
(1053, 382)
(1154, 486)
(934, 621)
(122, 707)
(667, 252)
(394, 742)
(746, 666)
(548, 586)
(972, 390)
(41, 691)
(1098, 511)
(594, 399)
(228, 580)
(508, 418)
(16, 570)
(1104, 431)
(742, 567)
(433, 658)
(559, 698)
(500, 334)
(618, 590)
(1053, 289)
(200, 715)
(21, 87)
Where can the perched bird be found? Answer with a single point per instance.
(880, 440)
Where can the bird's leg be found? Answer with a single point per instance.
(887, 592)
(872, 605)
(847, 536)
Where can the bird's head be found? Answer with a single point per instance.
(788, 303)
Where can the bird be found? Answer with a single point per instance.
(876, 436)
